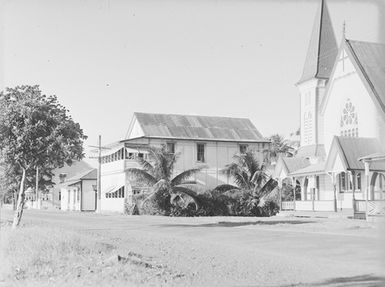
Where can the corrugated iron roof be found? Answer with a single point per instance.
(322, 51)
(89, 174)
(198, 127)
(356, 148)
(312, 151)
(295, 163)
(316, 168)
(371, 59)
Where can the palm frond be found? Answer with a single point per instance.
(142, 176)
(183, 176)
(267, 188)
(189, 192)
(147, 166)
(152, 194)
(225, 187)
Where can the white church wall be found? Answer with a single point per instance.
(346, 85)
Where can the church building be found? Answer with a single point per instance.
(342, 112)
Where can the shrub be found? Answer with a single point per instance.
(237, 203)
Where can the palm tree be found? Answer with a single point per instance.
(248, 174)
(157, 172)
(279, 145)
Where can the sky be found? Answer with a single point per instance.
(107, 59)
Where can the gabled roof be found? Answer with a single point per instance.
(295, 163)
(89, 174)
(76, 168)
(317, 168)
(352, 149)
(323, 48)
(370, 58)
(172, 126)
(312, 151)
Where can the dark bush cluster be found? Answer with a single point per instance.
(242, 203)
(211, 203)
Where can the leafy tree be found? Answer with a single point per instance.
(35, 132)
(157, 172)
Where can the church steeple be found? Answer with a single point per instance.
(323, 49)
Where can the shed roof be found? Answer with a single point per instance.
(198, 127)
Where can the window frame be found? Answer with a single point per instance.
(241, 146)
(198, 152)
(173, 145)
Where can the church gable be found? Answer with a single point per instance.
(349, 108)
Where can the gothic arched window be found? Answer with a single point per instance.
(349, 120)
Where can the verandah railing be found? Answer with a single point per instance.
(375, 207)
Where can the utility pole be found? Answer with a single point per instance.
(99, 175)
(99, 178)
(37, 188)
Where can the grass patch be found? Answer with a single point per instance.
(43, 256)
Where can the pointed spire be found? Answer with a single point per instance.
(323, 49)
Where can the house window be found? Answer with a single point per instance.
(171, 147)
(200, 152)
(346, 181)
(243, 148)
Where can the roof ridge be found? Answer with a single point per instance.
(190, 115)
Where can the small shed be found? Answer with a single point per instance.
(79, 192)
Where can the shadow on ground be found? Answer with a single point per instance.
(355, 281)
(237, 224)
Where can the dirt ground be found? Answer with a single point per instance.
(207, 251)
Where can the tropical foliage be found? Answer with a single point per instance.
(252, 185)
(279, 146)
(167, 190)
(35, 132)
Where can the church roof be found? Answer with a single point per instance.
(323, 48)
(295, 163)
(198, 127)
(312, 151)
(316, 168)
(370, 58)
(352, 149)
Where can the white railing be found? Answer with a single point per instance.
(287, 205)
(375, 207)
(324, 205)
(303, 205)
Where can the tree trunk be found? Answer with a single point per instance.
(20, 203)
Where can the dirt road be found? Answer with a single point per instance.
(228, 251)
